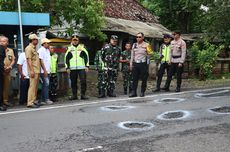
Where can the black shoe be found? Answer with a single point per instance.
(157, 90)
(133, 95)
(102, 95)
(142, 94)
(166, 89)
(3, 108)
(177, 90)
(33, 106)
(73, 98)
(83, 97)
(7, 104)
(112, 95)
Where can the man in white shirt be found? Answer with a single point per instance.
(44, 56)
(24, 78)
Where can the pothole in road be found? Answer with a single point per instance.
(135, 125)
(212, 94)
(221, 110)
(169, 100)
(174, 115)
(116, 108)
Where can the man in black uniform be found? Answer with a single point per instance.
(2, 57)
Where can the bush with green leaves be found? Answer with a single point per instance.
(203, 56)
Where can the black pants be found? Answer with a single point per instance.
(140, 71)
(164, 66)
(1, 89)
(74, 76)
(172, 70)
(53, 85)
(24, 86)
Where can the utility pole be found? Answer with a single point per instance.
(20, 25)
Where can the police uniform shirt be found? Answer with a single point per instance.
(32, 54)
(140, 52)
(178, 51)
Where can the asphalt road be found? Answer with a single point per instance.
(91, 127)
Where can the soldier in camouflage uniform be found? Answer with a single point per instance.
(111, 56)
(101, 77)
(127, 73)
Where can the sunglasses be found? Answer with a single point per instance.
(139, 37)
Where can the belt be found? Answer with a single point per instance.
(140, 61)
(175, 57)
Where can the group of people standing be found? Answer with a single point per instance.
(42, 65)
(33, 66)
(135, 61)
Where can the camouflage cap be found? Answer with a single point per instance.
(114, 37)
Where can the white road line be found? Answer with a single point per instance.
(91, 149)
(105, 101)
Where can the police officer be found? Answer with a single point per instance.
(176, 59)
(111, 56)
(140, 54)
(77, 64)
(164, 57)
(127, 73)
(2, 56)
(53, 73)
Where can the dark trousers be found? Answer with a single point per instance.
(74, 76)
(1, 89)
(24, 86)
(53, 85)
(164, 66)
(140, 71)
(172, 70)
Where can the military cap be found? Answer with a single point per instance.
(114, 37)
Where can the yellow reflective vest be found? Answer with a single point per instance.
(165, 52)
(77, 62)
(54, 58)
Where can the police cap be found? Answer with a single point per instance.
(167, 36)
(75, 37)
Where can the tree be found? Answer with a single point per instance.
(183, 15)
(84, 15)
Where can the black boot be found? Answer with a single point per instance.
(157, 90)
(177, 89)
(133, 94)
(73, 97)
(102, 94)
(125, 91)
(111, 94)
(166, 89)
(142, 94)
(84, 97)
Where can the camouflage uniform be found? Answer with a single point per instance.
(127, 74)
(101, 77)
(111, 57)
